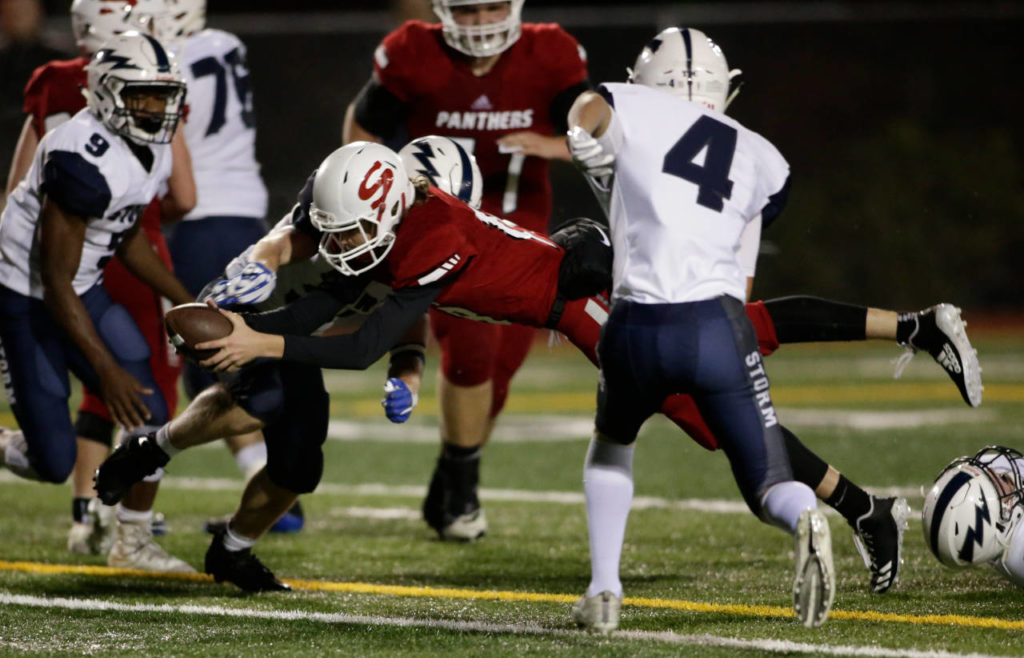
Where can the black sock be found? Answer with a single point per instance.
(459, 453)
(906, 327)
(462, 468)
(79, 509)
(849, 500)
(804, 319)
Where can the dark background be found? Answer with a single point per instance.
(901, 121)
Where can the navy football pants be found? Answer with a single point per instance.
(36, 358)
(707, 349)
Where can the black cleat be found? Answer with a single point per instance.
(241, 568)
(452, 507)
(878, 535)
(940, 331)
(137, 457)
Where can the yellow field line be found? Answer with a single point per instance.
(532, 597)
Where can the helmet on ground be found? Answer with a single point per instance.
(973, 506)
(479, 40)
(446, 165)
(685, 62)
(96, 21)
(124, 76)
(360, 193)
(170, 21)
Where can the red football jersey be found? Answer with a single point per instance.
(55, 88)
(445, 98)
(498, 271)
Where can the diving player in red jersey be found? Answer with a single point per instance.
(442, 253)
(53, 95)
(501, 88)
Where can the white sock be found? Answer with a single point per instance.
(236, 542)
(251, 459)
(783, 503)
(163, 439)
(125, 515)
(608, 488)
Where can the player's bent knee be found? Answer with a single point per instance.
(56, 467)
(298, 476)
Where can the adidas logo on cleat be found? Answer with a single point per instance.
(948, 360)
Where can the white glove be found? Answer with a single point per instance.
(589, 155)
(251, 285)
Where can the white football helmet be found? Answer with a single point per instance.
(124, 67)
(973, 506)
(479, 40)
(95, 21)
(685, 62)
(170, 21)
(360, 193)
(446, 165)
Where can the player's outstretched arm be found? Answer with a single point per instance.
(63, 236)
(138, 255)
(352, 131)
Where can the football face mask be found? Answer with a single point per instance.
(463, 32)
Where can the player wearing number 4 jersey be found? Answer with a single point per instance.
(501, 88)
(687, 187)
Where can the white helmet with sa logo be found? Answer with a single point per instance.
(685, 62)
(360, 193)
(973, 507)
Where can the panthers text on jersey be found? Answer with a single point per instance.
(220, 128)
(88, 171)
(498, 271)
(687, 182)
(443, 97)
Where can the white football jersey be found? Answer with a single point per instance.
(220, 129)
(688, 180)
(92, 172)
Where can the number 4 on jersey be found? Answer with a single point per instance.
(711, 178)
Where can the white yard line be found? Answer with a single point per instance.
(505, 495)
(664, 637)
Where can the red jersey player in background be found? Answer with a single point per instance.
(501, 88)
(53, 95)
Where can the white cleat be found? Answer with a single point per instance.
(597, 614)
(467, 527)
(814, 584)
(943, 334)
(95, 535)
(135, 548)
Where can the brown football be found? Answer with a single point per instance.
(191, 324)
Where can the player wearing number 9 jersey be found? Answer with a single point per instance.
(77, 206)
(501, 88)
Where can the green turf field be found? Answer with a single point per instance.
(703, 576)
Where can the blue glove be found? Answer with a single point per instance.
(398, 400)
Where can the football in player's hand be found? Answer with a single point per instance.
(191, 324)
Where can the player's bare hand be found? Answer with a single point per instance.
(528, 142)
(239, 347)
(122, 394)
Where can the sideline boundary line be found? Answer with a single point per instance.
(532, 597)
(526, 628)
